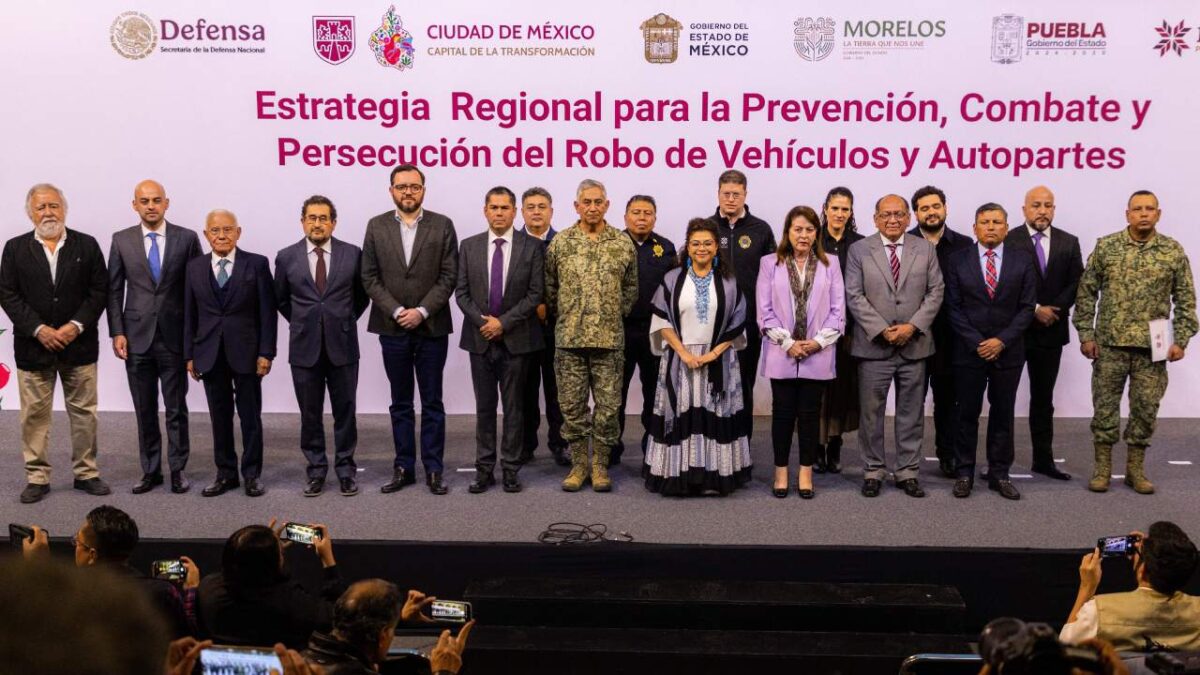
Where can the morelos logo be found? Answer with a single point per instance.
(1172, 38)
(133, 35)
(661, 35)
(393, 46)
(1007, 31)
(813, 37)
(333, 38)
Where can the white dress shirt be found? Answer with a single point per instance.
(327, 247)
(162, 242)
(997, 261)
(408, 235)
(899, 244)
(216, 259)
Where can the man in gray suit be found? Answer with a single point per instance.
(318, 285)
(893, 291)
(500, 283)
(410, 268)
(145, 319)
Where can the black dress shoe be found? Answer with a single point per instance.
(315, 487)
(805, 493)
(1052, 471)
(911, 488)
(1005, 488)
(33, 493)
(93, 486)
(254, 488)
(400, 478)
(147, 483)
(511, 483)
(871, 487)
(348, 487)
(179, 483)
(780, 492)
(220, 486)
(614, 455)
(560, 456)
(820, 464)
(434, 481)
(483, 479)
(946, 466)
(833, 455)
(962, 487)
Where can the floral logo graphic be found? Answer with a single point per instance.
(1172, 38)
(393, 46)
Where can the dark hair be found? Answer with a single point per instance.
(114, 533)
(1141, 193)
(537, 192)
(1013, 647)
(732, 176)
(927, 191)
(641, 198)
(704, 225)
(785, 250)
(839, 191)
(315, 200)
(990, 206)
(406, 167)
(251, 558)
(1169, 556)
(500, 190)
(364, 610)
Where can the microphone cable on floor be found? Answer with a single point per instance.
(576, 533)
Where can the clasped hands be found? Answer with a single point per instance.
(899, 335)
(57, 339)
(801, 349)
(491, 328)
(693, 362)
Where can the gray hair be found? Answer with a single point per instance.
(221, 212)
(39, 188)
(588, 184)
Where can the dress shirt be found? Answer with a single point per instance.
(540, 237)
(162, 242)
(52, 259)
(327, 247)
(408, 235)
(997, 261)
(506, 253)
(1045, 239)
(216, 259)
(899, 244)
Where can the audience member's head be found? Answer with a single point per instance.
(1167, 558)
(253, 558)
(108, 534)
(1010, 646)
(366, 616)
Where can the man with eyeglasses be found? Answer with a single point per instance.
(229, 328)
(318, 285)
(409, 270)
(893, 290)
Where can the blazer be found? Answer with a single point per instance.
(975, 317)
(316, 320)
(137, 307)
(825, 309)
(876, 301)
(426, 281)
(1057, 287)
(522, 293)
(78, 292)
(244, 324)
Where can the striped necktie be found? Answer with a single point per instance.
(895, 263)
(989, 273)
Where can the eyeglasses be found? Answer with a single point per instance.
(312, 218)
(885, 216)
(702, 243)
(413, 188)
(732, 195)
(214, 231)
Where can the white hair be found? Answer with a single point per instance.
(220, 212)
(588, 184)
(39, 188)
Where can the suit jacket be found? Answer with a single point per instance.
(314, 319)
(244, 324)
(950, 243)
(78, 292)
(427, 280)
(522, 293)
(876, 301)
(825, 309)
(1057, 287)
(975, 317)
(137, 307)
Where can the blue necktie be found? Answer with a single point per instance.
(222, 275)
(154, 259)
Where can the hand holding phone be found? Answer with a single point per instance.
(301, 534)
(173, 570)
(220, 659)
(1118, 547)
(450, 611)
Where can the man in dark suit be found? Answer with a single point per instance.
(929, 207)
(409, 268)
(1059, 267)
(990, 290)
(229, 327)
(145, 319)
(53, 288)
(500, 283)
(318, 284)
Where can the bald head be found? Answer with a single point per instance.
(150, 202)
(1039, 208)
(892, 216)
(366, 615)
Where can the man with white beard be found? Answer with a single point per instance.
(53, 286)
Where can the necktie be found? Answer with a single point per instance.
(1041, 252)
(895, 263)
(222, 275)
(154, 258)
(989, 273)
(321, 272)
(496, 287)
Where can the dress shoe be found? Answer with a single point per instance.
(93, 486)
(1052, 472)
(33, 493)
(805, 493)
(434, 481)
(148, 483)
(820, 462)
(780, 492)
(400, 478)
(179, 483)
(511, 483)
(561, 457)
(985, 476)
(348, 487)
(871, 487)
(962, 487)
(833, 455)
(1005, 488)
(220, 486)
(614, 455)
(315, 487)
(255, 488)
(946, 466)
(911, 487)
(483, 479)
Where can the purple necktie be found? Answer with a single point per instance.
(1041, 252)
(496, 289)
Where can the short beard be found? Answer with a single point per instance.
(50, 231)
(932, 228)
(408, 212)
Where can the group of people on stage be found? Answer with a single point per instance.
(833, 317)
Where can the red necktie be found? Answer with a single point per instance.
(989, 273)
(895, 263)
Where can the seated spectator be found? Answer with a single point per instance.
(252, 600)
(1012, 647)
(1157, 613)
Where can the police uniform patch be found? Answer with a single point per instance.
(744, 241)
(658, 250)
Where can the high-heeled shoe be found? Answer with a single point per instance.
(805, 493)
(780, 492)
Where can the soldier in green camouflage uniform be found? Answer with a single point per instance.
(1138, 274)
(591, 284)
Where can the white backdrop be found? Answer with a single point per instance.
(89, 118)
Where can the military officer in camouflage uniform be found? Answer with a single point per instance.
(591, 284)
(1138, 275)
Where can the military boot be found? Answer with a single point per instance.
(1135, 475)
(600, 480)
(1102, 474)
(579, 468)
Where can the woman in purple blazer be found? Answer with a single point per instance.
(801, 314)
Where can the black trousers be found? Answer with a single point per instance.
(499, 378)
(541, 376)
(1042, 364)
(939, 376)
(1001, 386)
(748, 365)
(796, 411)
(310, 385)
(639, 356)
(145, 372)
(226, 390)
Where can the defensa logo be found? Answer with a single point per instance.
(393, 46)
(813, 37)
(661, 36)
(133, 35)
